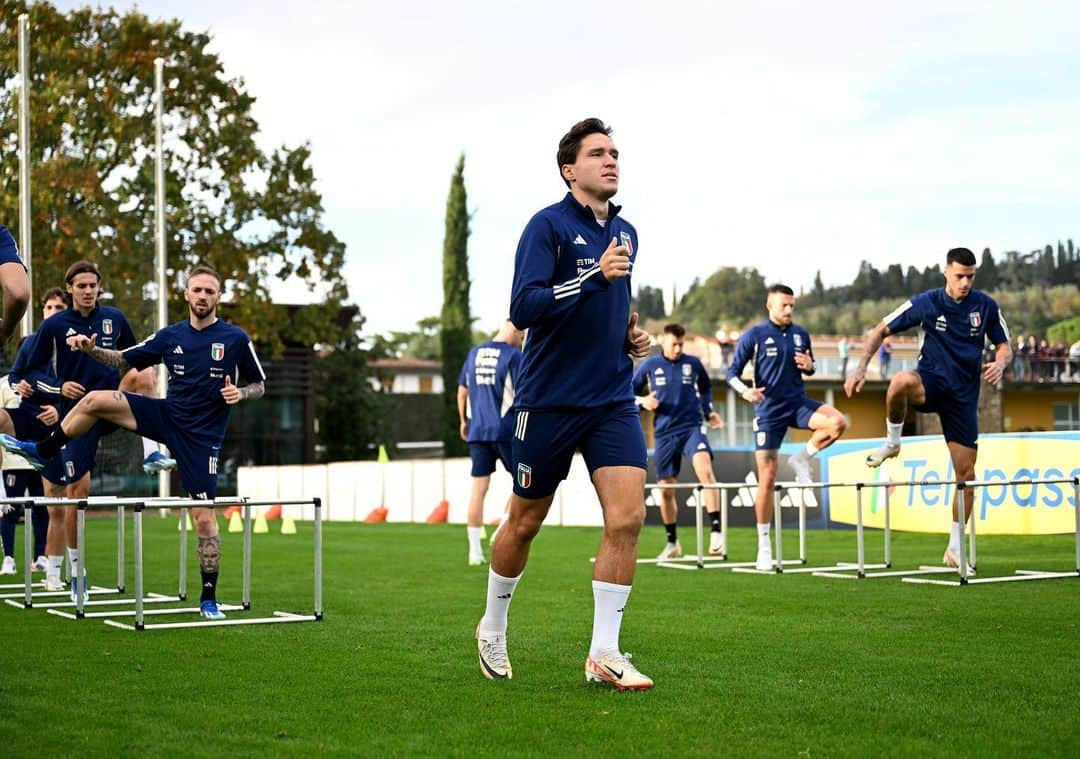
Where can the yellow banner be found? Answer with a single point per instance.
(1021, 509)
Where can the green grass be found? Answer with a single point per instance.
(745, 665)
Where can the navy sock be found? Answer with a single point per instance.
(7, 530)
(670, 528)
(40, 521)
(714, 519)
(51, 445)
(209, 586)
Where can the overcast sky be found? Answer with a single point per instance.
(789, 136)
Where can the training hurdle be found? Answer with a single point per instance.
(278, 617)
(1021, 575)
(30, 590)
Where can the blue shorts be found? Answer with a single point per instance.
(197, 460)
(671, 448)
(484, 454)
(29, 427)
(959, 421)
(20, 482)
(769, 434)
(545, 440)
(9, 251)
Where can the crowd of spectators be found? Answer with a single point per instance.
(1037, 360)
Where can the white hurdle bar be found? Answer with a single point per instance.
(1021, 575)
(278, 617)
(27, 585)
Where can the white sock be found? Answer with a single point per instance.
(475, 534)
(149, 446)
(763, 533)
(609, 600)
(892, 431)
(500, 592)
(52, 571)
(811, 450)
(73, 562)
(954, 540)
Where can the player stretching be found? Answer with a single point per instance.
(782, 354)
(680, 394)
(956, 321)
(205, 358)
(485, 395)
(572, 292)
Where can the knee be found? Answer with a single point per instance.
(625, 522)
(92, 402)
(17, 291)
(145, 380)
(839, 425)
(205, 523)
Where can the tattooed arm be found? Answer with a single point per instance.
(233, 394)
(89, 345)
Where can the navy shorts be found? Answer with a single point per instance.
(29, 427)
(484, 454)
(80, 453)
(769, 433)
(545, 440)
(959, 421)
(20, 482)
(197, 460)
(671, 448)
(9, 252)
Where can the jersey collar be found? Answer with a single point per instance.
(586, 213)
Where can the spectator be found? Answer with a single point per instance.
(1074, 361)
(1058, 354)
(1042, 360)
(843, 349)
(884, 356)
(1019, 359)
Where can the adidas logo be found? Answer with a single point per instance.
(770, 341)
(660, 372)
(70, 332)
(504, 596)
(178, 349)
(579, 240)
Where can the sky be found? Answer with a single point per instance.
(789, 136)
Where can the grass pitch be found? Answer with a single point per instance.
(745, 665)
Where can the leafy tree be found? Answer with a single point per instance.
(353, 417)
(649, 303)
(456, 333)
(255, 216)
(987, 271)
(730, 296)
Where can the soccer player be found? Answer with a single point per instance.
(572, 292)
(956, 321)
(680, 395)
(485, 395)
(205, 358)
(32, 412)
(14, 284)
(782, 354)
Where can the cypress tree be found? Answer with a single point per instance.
(456, 321)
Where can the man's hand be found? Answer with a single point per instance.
(715, 421)
(82, 342)
(48, 416)
(72, 390)
(637, 339)
(754, 395)
(855, 382)
(651, 402)
(24, 389)
(231, 393)
(615, 263)
(804, 362)
(993, 372)
(463, 430)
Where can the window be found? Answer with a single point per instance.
(425, 384)
(1067, 416)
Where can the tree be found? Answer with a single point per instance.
(456, 334)
(254, 216)
(729, 296)
(988, 271)
(353, 416)
(649, 303)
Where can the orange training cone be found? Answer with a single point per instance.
(273, 513)
(377, 514)
(440, 513)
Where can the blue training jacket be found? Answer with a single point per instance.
(773, 350)
(683, 388)
(575, 353)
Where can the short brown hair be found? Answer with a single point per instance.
(201, 269)
(54, 292)
(675, 329)
(570, 144)
(81, 267)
